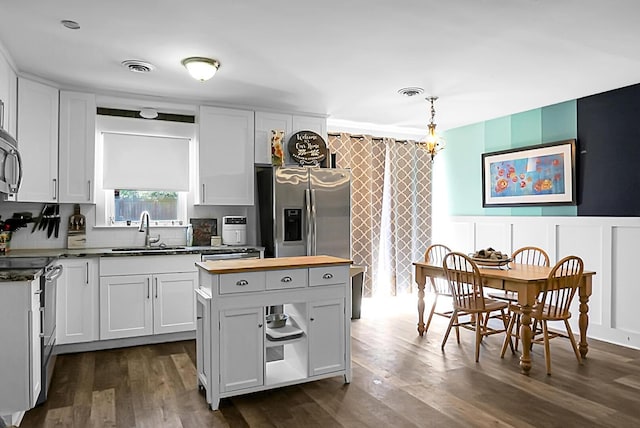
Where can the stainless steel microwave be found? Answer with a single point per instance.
(10, 163)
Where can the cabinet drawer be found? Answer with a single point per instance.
(329, 275)
(245, 282)
(283, 279)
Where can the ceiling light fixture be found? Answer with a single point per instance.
(200, 68)
(433, 143)
(148, 113)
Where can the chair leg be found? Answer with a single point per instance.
(433, 309)
(517, 337)
(573, 341)
(454, 319)
(457, 328)
(547, 355)
(478, 336)
(508, 338)
(505, 322)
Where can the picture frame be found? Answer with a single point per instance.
(539, 175)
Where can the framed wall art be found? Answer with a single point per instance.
(535, 175)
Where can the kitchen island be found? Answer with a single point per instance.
(240, 352)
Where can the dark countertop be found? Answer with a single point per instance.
(31, 273)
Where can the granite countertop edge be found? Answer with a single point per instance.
(29, 274)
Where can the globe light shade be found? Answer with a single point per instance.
(200, 68)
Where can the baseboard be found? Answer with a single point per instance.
(100, 345)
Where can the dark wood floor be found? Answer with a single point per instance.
(399, 380)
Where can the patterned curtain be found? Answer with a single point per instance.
(390, 208)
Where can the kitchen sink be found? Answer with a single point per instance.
(141, 249)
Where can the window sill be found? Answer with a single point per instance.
(135, 226)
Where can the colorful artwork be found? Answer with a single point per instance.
(534, 175)
(528, 176)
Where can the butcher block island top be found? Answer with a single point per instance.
(248, 265)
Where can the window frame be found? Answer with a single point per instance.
(105, 197)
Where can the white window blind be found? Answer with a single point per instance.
(144, 162)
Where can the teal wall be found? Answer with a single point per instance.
(463, 154)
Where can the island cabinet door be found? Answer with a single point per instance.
(326, 336)
(241, 349)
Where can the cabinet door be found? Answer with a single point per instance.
(125, 306)
(174, 304)
(77, 302)
(77, 146)
(8, 90)
(226, 156)
(38, 141)
(265, 122)
(241, 349)
(326, 336)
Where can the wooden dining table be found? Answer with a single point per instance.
(527, 280)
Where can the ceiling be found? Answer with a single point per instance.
(344, 58)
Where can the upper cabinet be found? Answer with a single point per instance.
(290, 124)
(8, 97)
(77, 146)
(226, 156)
(38, 141)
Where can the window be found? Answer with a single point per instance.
(144, 166)
(128, 205)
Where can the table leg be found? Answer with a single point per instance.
(525, 336)
(583, 322)
(420, 280)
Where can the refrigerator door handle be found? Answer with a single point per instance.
(307, 205)
(314, 219)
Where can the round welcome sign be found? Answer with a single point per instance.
(307, 148)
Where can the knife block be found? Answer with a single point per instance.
(76, 236)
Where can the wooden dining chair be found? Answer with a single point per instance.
(553, 304)
(525, 256)
(439, 286)
(465, 284)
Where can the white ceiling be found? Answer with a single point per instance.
(343, 58)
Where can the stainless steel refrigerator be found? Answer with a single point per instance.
(304, 211)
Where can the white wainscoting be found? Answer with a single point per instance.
(610, 246)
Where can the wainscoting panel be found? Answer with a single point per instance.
(626, 290)
(608, 246)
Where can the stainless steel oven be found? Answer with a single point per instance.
(48, 285)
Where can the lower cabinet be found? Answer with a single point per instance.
(21, 352)
(241, 348)
(135, 301)
(238, 350)
(140, 305)
(77, 301)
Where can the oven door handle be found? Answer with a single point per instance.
(53, 273)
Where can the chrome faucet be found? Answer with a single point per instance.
(144, 227)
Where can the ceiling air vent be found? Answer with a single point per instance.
(138, 66)
(411, 91)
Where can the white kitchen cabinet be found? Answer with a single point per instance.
(241, 348)
(8, 96)
(225, 144)
(242, 354)
(146, 295)
(77, 310)
(290, 124)
(38, 141)
(125, 306)
(21, 352)
(326, 348)
(77, 147)
(174, 307)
